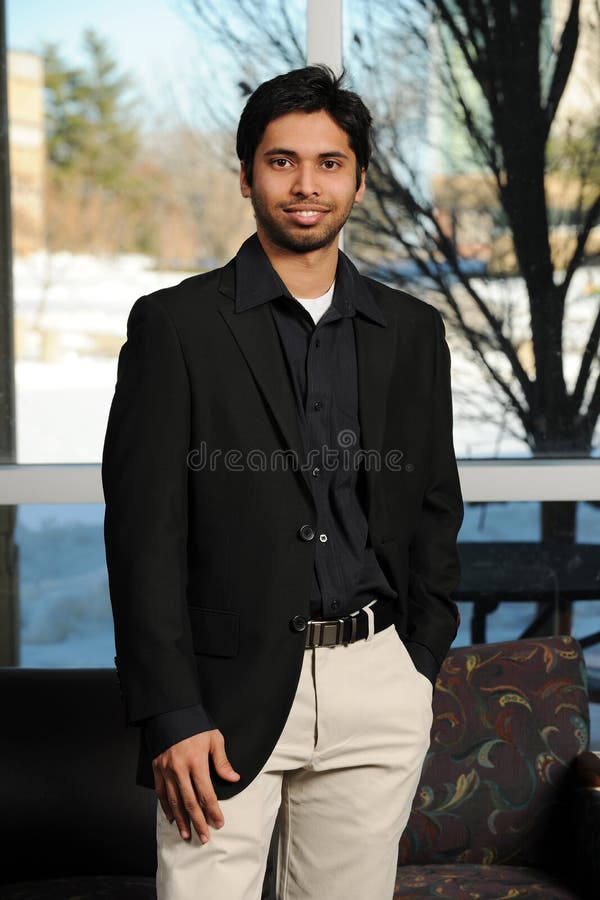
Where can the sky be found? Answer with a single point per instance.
(154, 41)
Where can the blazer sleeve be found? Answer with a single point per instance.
(434, 564)
(144, 478)
(162, 731)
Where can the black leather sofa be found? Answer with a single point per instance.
(73, 823)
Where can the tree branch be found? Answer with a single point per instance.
(591, 217)
(593, 411)
(474, 133)
(589, 354)
(470, 333)
(418, 211)
(564, 63)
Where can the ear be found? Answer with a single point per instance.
(244, 186)
(359, 194)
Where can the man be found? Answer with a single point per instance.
(282, 506)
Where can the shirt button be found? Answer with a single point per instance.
(335, 604)
(322, 538)
(317, 343)
(317, 405)
(306, 532)
(316, 471)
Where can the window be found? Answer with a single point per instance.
(455, 212)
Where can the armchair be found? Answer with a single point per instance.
(497, 809)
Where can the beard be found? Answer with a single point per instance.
(298, 238)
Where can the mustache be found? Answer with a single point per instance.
(297, 207)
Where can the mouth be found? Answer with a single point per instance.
(310, 216)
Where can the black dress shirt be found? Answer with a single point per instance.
(321, 361)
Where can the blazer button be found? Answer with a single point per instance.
(299, 623)
(306, 532)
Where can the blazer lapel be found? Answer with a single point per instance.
(256, 335)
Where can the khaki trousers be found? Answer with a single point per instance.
(342, 777)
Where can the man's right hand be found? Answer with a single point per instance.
(183, 785)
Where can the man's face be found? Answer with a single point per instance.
(303, 181)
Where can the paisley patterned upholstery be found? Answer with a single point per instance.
(463, 882)
(509, 719)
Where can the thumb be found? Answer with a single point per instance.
(223, 766)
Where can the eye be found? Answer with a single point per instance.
(281, 159)
(334, 161)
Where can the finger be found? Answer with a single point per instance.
(179, 801)
(220, 759)
(205, 793)
(223, 766)
(161, 793)
(193, 808)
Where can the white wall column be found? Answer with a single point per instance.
(324, 33)
(324, 41)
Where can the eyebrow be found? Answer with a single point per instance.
(274, 151)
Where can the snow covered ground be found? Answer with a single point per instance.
(62, 407)
(63, 404)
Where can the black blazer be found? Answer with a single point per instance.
(206, 563)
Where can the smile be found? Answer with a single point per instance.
(306, 216)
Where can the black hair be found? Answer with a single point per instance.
(310, 89)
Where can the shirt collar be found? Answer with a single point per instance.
(256, 282)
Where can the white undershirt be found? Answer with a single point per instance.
(316, 306)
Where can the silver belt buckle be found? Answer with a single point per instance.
(325, 634)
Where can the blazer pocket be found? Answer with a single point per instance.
(215, 631)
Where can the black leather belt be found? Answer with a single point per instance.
(354, 627)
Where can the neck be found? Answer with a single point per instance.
(306, 275)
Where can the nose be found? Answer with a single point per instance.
(305, 182)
